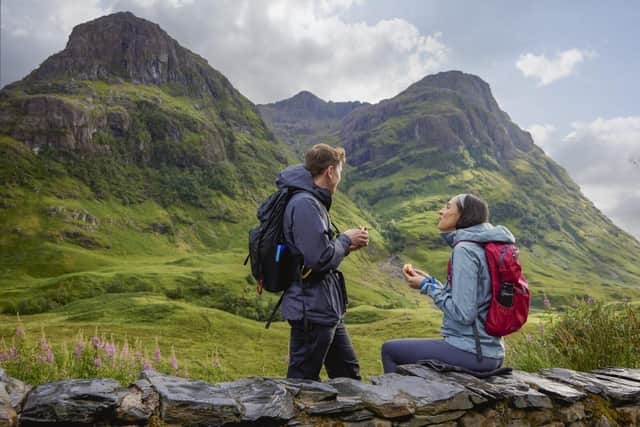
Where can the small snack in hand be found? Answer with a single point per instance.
(408, 269)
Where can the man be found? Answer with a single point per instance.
(315, 303)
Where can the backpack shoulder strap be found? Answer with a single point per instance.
(304, 194)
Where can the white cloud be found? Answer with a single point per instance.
(547, 70)
(601, 157)
(268, 49)
(541, 134)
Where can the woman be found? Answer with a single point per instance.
(465, 297)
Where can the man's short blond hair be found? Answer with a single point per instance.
(321, 156)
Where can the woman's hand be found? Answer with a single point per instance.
(413, 276)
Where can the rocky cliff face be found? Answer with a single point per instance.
(124, 88)
(99, 84)
(122, 46)
(449, 111)
(415, 396)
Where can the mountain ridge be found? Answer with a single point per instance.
(298, 121)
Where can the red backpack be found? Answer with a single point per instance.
(510, 295)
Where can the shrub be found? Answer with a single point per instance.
(588, 336)
(176, 293)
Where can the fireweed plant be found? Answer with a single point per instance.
(588, 335)
(35, 360)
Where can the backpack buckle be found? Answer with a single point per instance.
(304, 274)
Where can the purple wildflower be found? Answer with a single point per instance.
(111, 349)
(124, 352)
(157, 356)
(79, 349)
(41, 358)
(529, 337)
(95, 342)
(44, 345)
(4, 356)
(97, 362)
(173, 362)
(147, 365)
(51, 359)
(20, 327)
(138, 355)
(13, 353)
(589, 299)
(546, 302)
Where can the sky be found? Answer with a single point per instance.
(565, 71)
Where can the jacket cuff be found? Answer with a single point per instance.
(428, 284)
(346, 243)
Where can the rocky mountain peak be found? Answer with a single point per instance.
(307, 105)
(467, 85)
(449, 111)
(59, 105)
(120, 45)
(123, 47)
(305, 101)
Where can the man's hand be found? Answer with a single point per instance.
(359, 238)
(413, 276)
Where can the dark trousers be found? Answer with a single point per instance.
(406, 351)
(321, 345)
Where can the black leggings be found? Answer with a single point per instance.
(407, 351)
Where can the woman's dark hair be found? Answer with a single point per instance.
(474, 212)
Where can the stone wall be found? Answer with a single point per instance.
(414, 396)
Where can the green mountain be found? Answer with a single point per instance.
(130, 173)
(304, 119)
(445, 135)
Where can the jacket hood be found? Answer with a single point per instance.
(299, 177)
(480, 233)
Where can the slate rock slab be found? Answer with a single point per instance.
(614, 388)
(334, 407)
(12, 393)
(625, 373)
(377, 399)
(428, 396)
(477, 395)
(72, 402)
(503, 387)
(308, 390)
(193, 403)
(262, 399)
(139, 404)
(555, 389)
